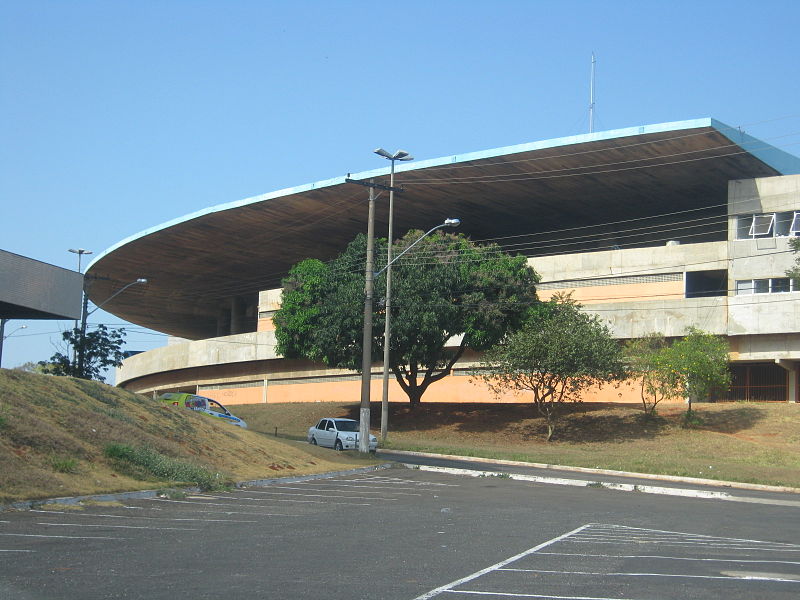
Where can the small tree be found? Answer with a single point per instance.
(101, 349)
(648, 360)
(700, 360)
(559, 353)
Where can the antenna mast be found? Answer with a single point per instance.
(591, 98)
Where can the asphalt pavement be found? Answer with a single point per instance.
(406, 534)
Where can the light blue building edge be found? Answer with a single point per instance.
(781, 161)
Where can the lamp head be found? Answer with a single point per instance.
(399, 155)
(141, 280)
(80, 251)
(452, 222)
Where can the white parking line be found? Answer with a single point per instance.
(659, 557)
(66, 537)
(364, 487)
(243, 505)
(2, 550)
(72, 514)
(328, 495)
(547, 596)
(596, 533)
(449, 587)
(116, 526)
(675, 575)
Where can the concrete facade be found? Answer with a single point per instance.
(637, 291)
(729, 280)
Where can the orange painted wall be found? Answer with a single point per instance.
(451, 389)
(662, 290)
(266, 324)
(248, 395)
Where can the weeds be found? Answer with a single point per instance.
(144, 462)
(692, 419)
(64, 465)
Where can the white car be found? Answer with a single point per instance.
(339, 434)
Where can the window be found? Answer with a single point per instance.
(768, 225)
(704, 284)
(761, 225)
(779, 285)
(774, 285)
(794, 229)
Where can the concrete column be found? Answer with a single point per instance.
(791, 369)
(237, 315)
(223, 322)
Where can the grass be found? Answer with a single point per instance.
(146, 463)
(55, 432)
(746, 442)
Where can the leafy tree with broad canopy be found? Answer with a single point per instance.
(102, 348)
(559, 352)
(446, 288)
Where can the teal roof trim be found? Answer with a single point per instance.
(778, 159)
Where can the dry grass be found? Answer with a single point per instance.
(53, 432)
(756, 443)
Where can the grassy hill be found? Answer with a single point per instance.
(61, 436)
(747, 442)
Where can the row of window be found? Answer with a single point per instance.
(779, 224)
(772, 285)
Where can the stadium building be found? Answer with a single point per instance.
(654, 228)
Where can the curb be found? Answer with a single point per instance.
(619, 487)
(145, 494)
(674, 478)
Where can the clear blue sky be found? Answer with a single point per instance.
(116, 116)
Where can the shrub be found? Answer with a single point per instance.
(64, 465)
(144, 463)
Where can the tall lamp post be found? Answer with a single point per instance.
(3, 335)
(85, 315)
(80, 252)
(404, 156)
(386, 332)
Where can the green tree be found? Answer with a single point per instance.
(102, 348)
(648, 360)
(794, 272)
(700, 361)
(559, 353)
(446, 288)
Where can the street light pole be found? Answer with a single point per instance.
(80, 252)
(387, 268)
(404, 156)
(85, 316)
(4, 337)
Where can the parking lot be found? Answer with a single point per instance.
(404, 534)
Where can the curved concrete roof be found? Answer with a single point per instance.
(197, 263)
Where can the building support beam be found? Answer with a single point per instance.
(791, 369)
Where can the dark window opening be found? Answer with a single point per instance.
(758, 382)
(703, 284)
